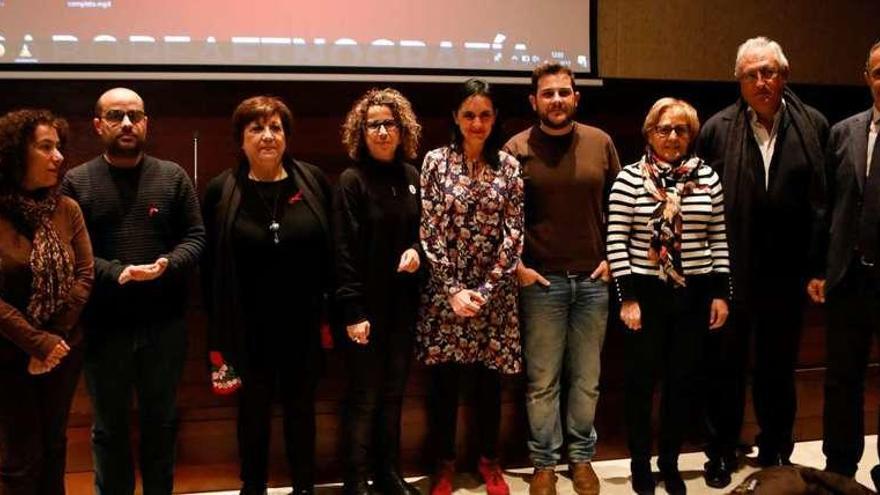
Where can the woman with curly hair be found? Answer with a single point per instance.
(376, 229)
(45, 279)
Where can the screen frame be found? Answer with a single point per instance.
(281, 72)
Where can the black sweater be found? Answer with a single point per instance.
(135, 216)
(376, 219)
(220, 278)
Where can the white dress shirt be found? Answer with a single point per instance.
(872, 136)
(766, 139)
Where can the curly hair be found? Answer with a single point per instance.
(353, 127)
(16, 134)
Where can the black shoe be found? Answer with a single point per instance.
(671, 477)
(717, 472)
(642, 478)
(390, 482)
(875, 476)
(354, 486)
(770, 459)
(253, 490)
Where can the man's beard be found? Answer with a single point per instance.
(116, 149)
(546, 122)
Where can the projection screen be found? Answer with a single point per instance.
(366, 36)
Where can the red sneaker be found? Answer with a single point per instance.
(442, 482)
(492, 475)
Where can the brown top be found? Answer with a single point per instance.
(15, 286)
(567, 180)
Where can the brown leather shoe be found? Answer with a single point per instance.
(583, 478)
(543, 482)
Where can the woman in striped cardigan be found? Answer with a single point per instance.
(668, 253)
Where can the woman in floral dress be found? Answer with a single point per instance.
(471, 232)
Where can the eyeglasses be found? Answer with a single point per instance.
(666, 130)
(117, 116)
(764, 73)
(375, 125)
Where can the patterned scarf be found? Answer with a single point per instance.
(668, 184)
(51, 265)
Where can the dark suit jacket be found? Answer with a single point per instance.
(774, 235)
(847, 165)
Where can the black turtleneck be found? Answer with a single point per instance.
(376, 219)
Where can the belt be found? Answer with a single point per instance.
(569, 273)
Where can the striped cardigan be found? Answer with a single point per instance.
(704, 248)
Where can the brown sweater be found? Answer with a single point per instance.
(567, 180)
(18, 338)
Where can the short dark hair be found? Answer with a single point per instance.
(479, 87)
(550, 68)
(16, 134)
(258, 108)
(353, 127)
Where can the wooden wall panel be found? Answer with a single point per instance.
(825, 42)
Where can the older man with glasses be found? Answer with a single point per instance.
(768, 150)
(143, 217)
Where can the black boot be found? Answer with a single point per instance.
(390, 482)
(717, 472)
(356, 486)
(642, 477)
(252, 490)
(671, 477)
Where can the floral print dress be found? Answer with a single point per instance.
(472, 236)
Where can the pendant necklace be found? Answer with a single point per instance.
(274, 226)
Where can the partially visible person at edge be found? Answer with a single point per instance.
(376, 233)
(567, 168)
(45, 280)
(471, 233)
(850, 283)
(768, 150)
(265, 275)
(143, 218)
(667, 248)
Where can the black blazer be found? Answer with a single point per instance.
(787, 215)
(846, 164)
(219, 283)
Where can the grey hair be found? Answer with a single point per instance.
(874, 48)
(760, 43)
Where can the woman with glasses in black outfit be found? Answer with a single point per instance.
(376, 229)
(266, 273)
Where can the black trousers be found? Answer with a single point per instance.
(33, 426)
(445, 380)
(669, 344)
(774, 319)
(377, 375)
(853, 320)
(285, 365)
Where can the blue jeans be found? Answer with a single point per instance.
(563, 324)
(149, 361)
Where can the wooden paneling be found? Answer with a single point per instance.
(825, 42)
